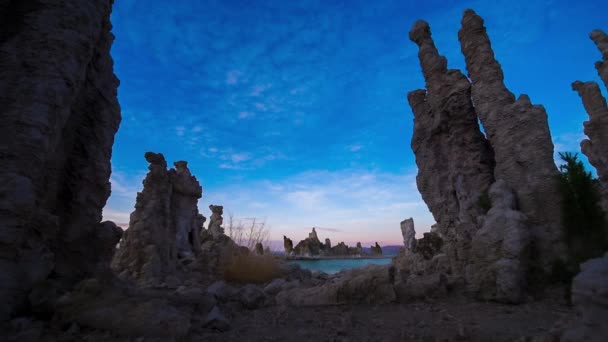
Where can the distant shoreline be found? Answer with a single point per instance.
(338, 257)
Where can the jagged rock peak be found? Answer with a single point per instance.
(601, 40)
(409, 233)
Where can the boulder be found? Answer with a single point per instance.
(590, 301)
(216, 320)
(59, 112)
(222, 291)
(251, 296)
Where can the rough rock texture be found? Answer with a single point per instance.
(370, 284)
(59, 114)
(455, 162)
(216, 220)
(409, 233)
(519, 134)
(600, 38)
(590, 301)
(123, 310)
(327, 243)
(596, 146)
(499, 258)
(184, 210)
(164, 226)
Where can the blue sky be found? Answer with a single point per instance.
(296, 111)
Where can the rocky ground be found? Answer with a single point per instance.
(452, 320)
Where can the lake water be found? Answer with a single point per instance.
(337, 265)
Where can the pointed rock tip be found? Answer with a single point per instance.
(576, 85)
(597, 34)
(155, 158)
(420, 32)
(471, 18)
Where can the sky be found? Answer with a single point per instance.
(295, 112)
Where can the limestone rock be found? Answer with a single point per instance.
(216, 220)
(327, 244)
(184, 211)
(59, 114)
(596, 146)
(600, 38)
(455, 161)
(163, 229)
(429, 245)
(590, 301)
(519, 134)
(251, 296)
(409, 233)
(499, 257)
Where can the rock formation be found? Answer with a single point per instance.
(476, 187)
(376, 249)
(312, 247)
(409, 233)
(287, 245)
(164, 226)
(519, 134)
(600, 38)
(455, 162)
(499, 258)
(216, 220)
(59, 114)
(596, 146)
(590, 301)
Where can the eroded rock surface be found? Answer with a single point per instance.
(455, 162)
(596, 146)
(216, 220)
(600, 38)
(409, 233)
(164, 227)
(59, 114)
(519, 134)
(499, 258)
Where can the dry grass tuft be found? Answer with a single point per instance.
(250, 268)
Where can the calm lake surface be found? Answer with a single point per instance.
(337, 265)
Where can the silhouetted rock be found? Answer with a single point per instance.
(519, 134)
(164, 226)
(59, 114)
(287, 245)
(216, 220)
(600, 38)
(596, 129)
(259, 249)
(376, 249)
(409, 233)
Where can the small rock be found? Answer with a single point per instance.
(221, 290)
(216, 320)
(252, 297)
(275, 286)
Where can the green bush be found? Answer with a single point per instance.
(584, 221)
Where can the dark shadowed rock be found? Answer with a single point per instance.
(600, 38)
(519, 134)
(216, 320)
(287, 245)
(59, 114)
(164, 228)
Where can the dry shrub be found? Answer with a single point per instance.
(250, 268)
